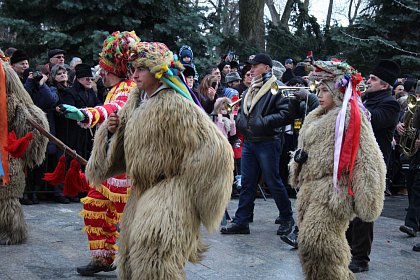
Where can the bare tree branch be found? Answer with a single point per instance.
(275, 16)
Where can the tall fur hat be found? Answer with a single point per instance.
(387, 70)
(115, 52)
(83, 70)
(18, 56)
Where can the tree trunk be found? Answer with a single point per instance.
(286, 13)
(275, 16)
(251, 24)
(328, 21)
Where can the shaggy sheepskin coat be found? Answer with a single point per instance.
(323, 212)
(20, 107)
(181, 169)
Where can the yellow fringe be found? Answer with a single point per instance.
(115, 197)
(102, 245)
(97, 244)
(112, 247)
(98, 216)
(98, 231)
(96, 202)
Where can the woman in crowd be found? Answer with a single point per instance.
(207, 92)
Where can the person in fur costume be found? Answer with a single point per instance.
(16, 107)
(179, 163)
(339, 170)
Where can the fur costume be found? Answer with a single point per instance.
(324, 212)
(13, 229)
(181, 169)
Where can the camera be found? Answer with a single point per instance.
(214, 85)
(301, 156)
(37, 76)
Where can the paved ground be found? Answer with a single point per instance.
(56, 246)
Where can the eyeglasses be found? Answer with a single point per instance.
(87, 79)
(59, 56)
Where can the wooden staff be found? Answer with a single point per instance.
(57, 141)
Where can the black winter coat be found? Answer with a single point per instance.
(385, 112)
(78, 138)
(265, 121)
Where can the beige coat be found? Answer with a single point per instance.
(19, 108)
(323, 212)
(181, 169)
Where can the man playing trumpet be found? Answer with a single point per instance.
(260, 119)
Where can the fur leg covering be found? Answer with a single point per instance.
(13, 229)
(323, 249)
(156, 242)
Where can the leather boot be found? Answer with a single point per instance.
(95, 266)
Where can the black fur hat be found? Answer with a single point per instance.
(18, 56)
(83, 70)
(387, 70)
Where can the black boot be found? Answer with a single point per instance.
(235, 229)
(285, 227)
(292, 238)
(357, 267)
(94, 267)
(25, 200)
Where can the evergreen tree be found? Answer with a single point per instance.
(387, 29)
(79, 27)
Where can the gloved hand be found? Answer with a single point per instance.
(73, 113)
(301, 94)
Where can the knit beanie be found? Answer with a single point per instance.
(54, 52)
(387, 70)
(185, 51)
(115, 52)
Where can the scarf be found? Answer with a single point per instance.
(4, 155)
(256, 92)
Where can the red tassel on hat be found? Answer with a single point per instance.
(17, 147)
(72, 179)
(59, 174)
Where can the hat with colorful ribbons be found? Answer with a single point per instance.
(115, 52)
(344, 83)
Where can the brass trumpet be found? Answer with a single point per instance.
(285, 90)
(229, 107)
